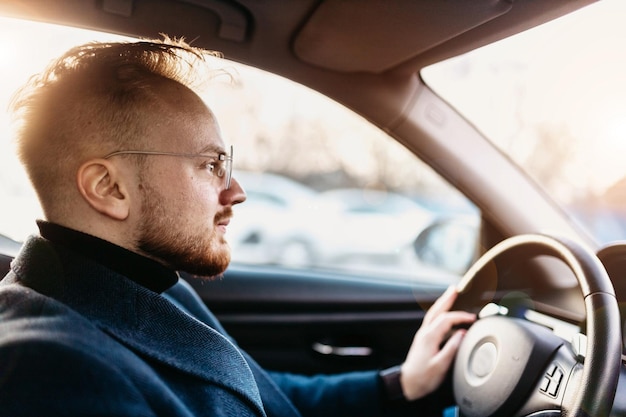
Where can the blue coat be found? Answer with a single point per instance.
(78, 339)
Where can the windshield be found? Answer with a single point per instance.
(554, 99)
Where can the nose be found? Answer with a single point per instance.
(234, 195)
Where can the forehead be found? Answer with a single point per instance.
(182, 122)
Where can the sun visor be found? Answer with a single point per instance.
(395, 31)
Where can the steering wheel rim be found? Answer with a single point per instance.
(600, 375)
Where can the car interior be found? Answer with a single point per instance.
(549, 296)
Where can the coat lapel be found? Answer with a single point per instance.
(274, 400)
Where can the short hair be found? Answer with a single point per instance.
(94, 99)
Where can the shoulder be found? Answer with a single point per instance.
(23, 308)
(34, 327)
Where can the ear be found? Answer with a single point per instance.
(100, 183)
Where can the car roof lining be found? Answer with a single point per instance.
(435, 29)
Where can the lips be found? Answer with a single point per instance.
(222, 223)
(223, 219)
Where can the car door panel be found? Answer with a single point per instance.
(305, 322)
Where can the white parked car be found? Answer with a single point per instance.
(373, 226)
(277, 223)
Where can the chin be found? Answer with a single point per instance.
(212, 266)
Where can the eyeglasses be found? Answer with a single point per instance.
(221, 167)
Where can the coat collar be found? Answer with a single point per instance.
(142, 320)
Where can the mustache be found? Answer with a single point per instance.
(225, 214)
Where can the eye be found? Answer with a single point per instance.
(208, 165)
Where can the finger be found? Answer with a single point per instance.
(441, 305)
(447, 353)
(442, 326)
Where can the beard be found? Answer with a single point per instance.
(197, 252)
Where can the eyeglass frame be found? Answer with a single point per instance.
(226, 158)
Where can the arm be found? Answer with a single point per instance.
(348, 394)
(404, 392)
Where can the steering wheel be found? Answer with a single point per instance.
(509, 366)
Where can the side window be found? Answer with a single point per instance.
(352, 198)
(326, 189)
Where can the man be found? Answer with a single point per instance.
(135, 183)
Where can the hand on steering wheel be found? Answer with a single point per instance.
(427, 362)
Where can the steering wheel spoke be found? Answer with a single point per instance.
(556, 386)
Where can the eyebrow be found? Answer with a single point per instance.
(213, 149)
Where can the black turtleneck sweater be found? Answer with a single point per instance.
(144, 271)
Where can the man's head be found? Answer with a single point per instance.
(100, 99)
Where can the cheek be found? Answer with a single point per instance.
(186, 194)
(200, 197)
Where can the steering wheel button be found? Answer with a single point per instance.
(551, 381)
(551, 370)
(554, 389)
(556, 383)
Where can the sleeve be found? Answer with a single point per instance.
(348, 394)
(359, 394)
